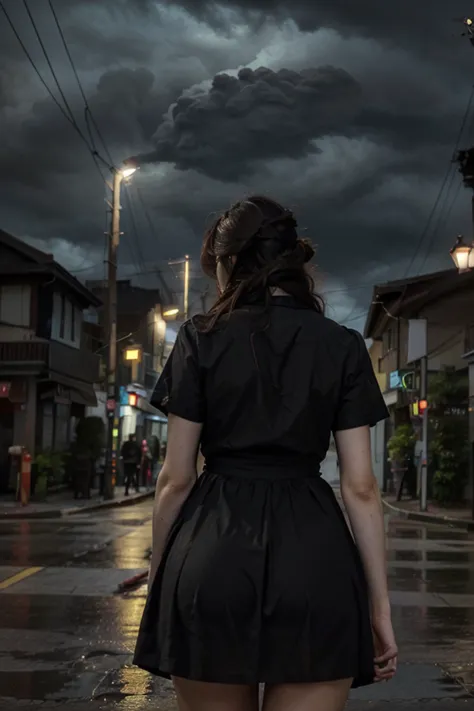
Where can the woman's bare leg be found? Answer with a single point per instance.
(329, 696)
(202, 696)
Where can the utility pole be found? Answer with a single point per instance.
(114, 239)
(186, 287)
(186, 261)
(113, 243)
(424, 435)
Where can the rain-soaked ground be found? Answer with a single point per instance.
(66, 639)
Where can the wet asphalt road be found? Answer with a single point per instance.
(66, 639)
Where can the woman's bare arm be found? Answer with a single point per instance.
(361, 497)
(175, 481)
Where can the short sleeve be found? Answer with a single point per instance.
(179, 387)
(361, 402)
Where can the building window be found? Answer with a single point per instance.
(62, 321)
(73, 323)
(15, 304)
(388, 341)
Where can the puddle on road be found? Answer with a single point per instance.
(74, 684)
(462, 674)
(414, 681)
(48, 684)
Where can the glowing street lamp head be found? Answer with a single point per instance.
(463, 255)
(129, 167)
(127, 172)
(170, 312)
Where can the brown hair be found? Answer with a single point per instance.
(261, 235)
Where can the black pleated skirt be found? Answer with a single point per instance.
(260, 582)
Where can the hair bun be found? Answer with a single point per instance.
(307, 249)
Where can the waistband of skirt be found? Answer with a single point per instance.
(263, 467)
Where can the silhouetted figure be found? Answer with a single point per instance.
(131, 456)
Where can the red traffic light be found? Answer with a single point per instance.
(422, 406)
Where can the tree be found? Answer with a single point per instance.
(448, 398)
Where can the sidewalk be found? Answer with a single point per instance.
(64, 504)
(459, 517)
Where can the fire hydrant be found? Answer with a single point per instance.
(23, 489)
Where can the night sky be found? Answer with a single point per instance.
(348, 112)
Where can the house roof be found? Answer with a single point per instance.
(405, 297)
(37, 262)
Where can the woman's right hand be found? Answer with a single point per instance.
(386, 651)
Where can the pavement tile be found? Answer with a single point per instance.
(413, 681)
(458, 599)
(8, 571)
(403, 598)
(73, 581)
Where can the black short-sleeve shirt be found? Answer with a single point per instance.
(273, 383)
(360, 402)
(179, 388)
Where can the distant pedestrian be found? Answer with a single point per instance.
(155, 450)
(131, 457)
(145, 465)
(254, 575)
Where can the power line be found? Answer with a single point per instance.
(30, 59)
(442, 220)
(48, 61)
(152, 228)
(134, 247)
(69, 118)
(89, 117)
(440, 192)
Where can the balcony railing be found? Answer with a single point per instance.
(469, 339)
(51, 356)
(23, 352)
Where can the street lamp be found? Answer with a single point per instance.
(119, 175)
(170, 313)
(463, 255)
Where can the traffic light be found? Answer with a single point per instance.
(132, 399)
(419, 407)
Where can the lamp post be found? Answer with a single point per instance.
(462, 255)
(119, 175)
(185, 312)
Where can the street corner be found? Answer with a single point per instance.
(415, 682)
(103, 505)
(462, 674)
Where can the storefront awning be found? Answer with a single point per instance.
(74, 390)
(391, 397)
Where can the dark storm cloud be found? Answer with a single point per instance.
(48, 176)
(391, 118)
(115, 6)
(420, 25)
(255, 116)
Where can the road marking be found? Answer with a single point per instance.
(28, 572)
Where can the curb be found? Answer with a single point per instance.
(462, 523)
(77, 510)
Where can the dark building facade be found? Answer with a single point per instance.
(47, 372)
